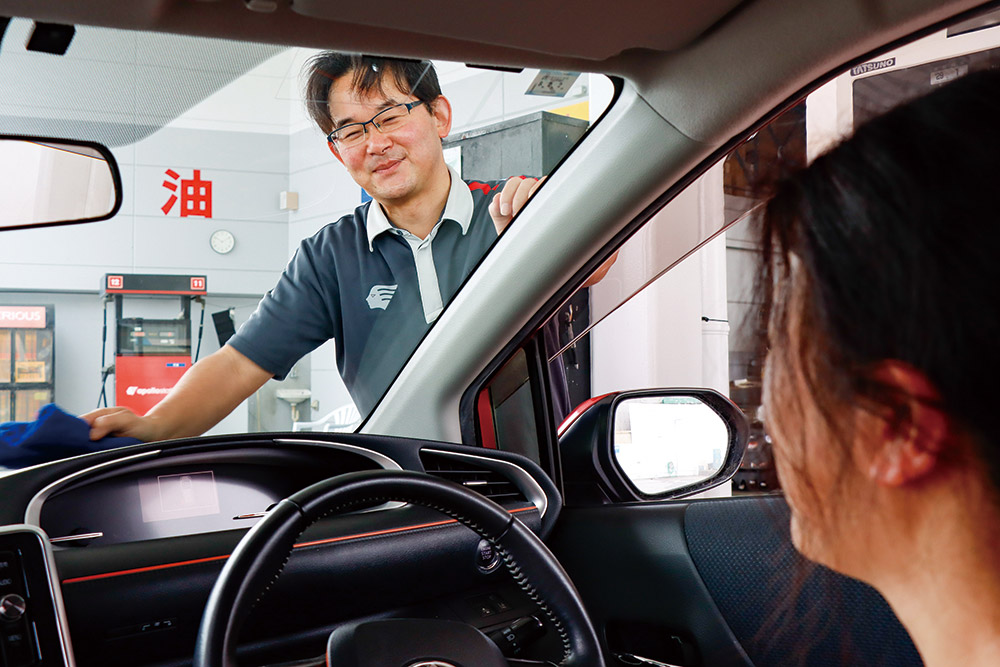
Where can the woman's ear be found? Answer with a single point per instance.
(911, 439)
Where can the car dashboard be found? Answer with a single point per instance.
(137, 536)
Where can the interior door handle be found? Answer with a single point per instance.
(631, 659)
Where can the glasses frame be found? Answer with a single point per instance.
(373, 121)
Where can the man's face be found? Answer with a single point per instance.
(399, 166)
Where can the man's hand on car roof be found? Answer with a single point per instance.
(511, 198)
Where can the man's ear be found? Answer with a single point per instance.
(914, 434)
(336, 153)
(440, 109)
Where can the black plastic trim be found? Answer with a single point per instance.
(554, 500)
(545, 426)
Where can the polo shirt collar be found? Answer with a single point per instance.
(459, 208)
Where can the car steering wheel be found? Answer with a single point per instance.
(262, 553)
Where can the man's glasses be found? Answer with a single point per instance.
(386, 120)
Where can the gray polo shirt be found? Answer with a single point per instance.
(371, 287)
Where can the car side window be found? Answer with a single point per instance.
(678, 308)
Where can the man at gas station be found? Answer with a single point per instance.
(369, 281)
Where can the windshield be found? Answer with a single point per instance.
(318, 238)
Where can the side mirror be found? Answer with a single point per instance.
(651, 444)
(56, 182)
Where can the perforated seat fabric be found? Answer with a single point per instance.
(784, 610)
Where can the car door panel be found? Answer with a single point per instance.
(631, 564)
(721, 574)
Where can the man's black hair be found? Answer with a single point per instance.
(416, 77)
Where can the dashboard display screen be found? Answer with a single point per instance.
(178, 496)
(189, 493)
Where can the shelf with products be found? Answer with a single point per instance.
(27, 360)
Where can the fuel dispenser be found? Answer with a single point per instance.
(151, 355)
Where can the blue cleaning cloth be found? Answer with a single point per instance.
(53, 435)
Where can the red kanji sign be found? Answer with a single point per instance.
(195, 195)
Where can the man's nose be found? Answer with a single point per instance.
(377, 141)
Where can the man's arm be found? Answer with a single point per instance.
(205, 395)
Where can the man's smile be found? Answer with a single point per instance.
(387, 167)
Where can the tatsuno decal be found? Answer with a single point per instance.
(380, 296)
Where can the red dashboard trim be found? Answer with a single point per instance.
(148, 568)
(300, 545)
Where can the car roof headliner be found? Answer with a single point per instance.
(664, 47)
(700, 64)
(574, 35)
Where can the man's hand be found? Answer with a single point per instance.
(598, 275)
(204, 396)
(511, 198)
(120, 422)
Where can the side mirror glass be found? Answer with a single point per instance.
(664, 443)
(651, 444)
(56, 181)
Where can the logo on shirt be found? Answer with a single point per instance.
(380, 296)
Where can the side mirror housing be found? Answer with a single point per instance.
(653, 444)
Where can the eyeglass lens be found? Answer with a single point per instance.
(385, 121)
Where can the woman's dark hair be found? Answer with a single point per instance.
(369, 73)
(896, 237)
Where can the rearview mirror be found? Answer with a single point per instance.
(651, 444)
(55, 182)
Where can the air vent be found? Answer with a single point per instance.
(470, 473)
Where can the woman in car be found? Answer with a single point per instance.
(881, 280)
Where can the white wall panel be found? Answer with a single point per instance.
(326, 191)
(307, 147)
(185, 148)
(38, 252)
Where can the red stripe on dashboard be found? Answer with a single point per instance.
(374, 533)
(331, 540)
(149, 568)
